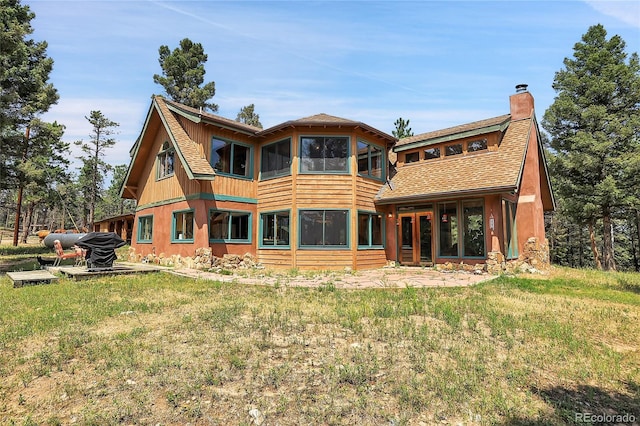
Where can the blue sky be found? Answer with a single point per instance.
(435, 63)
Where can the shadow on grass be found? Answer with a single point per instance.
(586, 405)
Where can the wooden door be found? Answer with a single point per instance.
(416, 238)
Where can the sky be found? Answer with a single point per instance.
(436, 63)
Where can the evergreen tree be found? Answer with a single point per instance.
(183, 73)
(402, 129)
(594, 124)
(94, 167)
(247, 115)
(112, 203)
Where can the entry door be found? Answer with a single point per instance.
(416, 238)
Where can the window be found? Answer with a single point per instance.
(478, 145)
(473, 228)
(276, 159)
(324, 154)
(510, 229)
(454, 149)
(369, 229)
(275, 229)
(448, 227)
(231, 158)
(182, 226)
(411, 157)
(145, 229)
(370, 160)
(229, 226)
(165, 161)
(323, 228)
(431, 153)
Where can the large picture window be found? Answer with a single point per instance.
(324, 154)
(448, 229)
(275, 229)
(165, 161)
(510, 229)
(231, 158)
(229, 226)
(369, 230)
(324, 228)
(145, 229)
(276, 159)
(182, 226)
(473, 228)
(370, 160)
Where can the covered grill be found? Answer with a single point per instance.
(101, 249)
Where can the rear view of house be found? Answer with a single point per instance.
(321, 193)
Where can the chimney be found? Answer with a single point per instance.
(521, 103)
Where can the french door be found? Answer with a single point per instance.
(416, 238)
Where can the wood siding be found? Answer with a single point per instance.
(324, 259)
(275, 194)
(370, 259)
(325, 191)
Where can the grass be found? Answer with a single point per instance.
(161, 349)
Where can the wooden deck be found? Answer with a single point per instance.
(24, 278)
(82, 273)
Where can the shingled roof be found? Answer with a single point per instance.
(480, 173)
(195, 165)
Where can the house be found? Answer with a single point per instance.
(120, 224)
(320, 193)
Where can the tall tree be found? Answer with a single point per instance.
(100, 141)
(183, 73)
(113, 204)
(594, 124)
(402, 129)
(24, 92)
(247, 115)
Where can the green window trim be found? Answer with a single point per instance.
(235, 226)
(321, 163)
(280, 154)
(181, 230)
(369, 220)
(368, 154)
(165, 161)
(280, 234)
(145, 229)
(510, 229)
(323, 227)
(228, 157)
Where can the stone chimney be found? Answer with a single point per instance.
(521, 103)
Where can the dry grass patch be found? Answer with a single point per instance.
(166, 350)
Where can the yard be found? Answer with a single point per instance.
(161, 349)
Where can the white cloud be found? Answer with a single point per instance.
(625, 11)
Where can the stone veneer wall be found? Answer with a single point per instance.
(202, 259)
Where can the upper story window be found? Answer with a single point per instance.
(165, 160)
(276, 159)
(411, 157)
(324, 154)
(478, 145)
(231, 158)
(431, 153)
(454, 149)
(370, 160)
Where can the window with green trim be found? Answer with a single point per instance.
(230, 226)
(165, 161)
(370, 229)
(276, 159)
(324, 228)
(324, 154)
(231, 158)
(275, 229)
(448, 229)
(183, 226)
(370, 160)
(473, 228)
(510, 229)
(145, 229)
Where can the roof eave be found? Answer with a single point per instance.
(448, 194)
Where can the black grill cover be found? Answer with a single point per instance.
(100, 248)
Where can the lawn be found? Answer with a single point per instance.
(162, 349)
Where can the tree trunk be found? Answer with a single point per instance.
(16, 230)
(594, 247)
(609, 263)
(28, 217)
